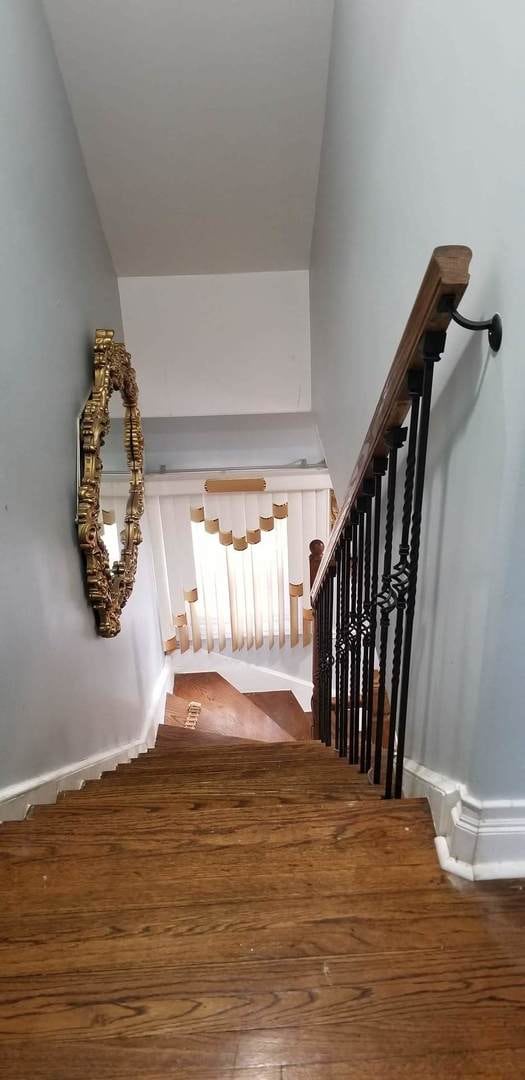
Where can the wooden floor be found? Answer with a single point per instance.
(226, 710)
(284, 708)
(223, 909)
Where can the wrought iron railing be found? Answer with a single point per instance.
(364, 598)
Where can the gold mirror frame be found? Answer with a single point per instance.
(109, 587)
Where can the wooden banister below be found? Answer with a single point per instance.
(447, 275)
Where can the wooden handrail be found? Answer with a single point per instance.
(447, 275)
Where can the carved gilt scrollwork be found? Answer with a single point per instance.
(109, 587)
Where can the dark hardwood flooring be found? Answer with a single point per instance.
(228, 910)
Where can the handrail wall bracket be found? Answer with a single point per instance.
(493, 325)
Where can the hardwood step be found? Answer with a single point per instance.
(178, 999)
(119, 802)
(222, 719)
(309, 1049)
(118, 883)
(177, 736)
(340, 823)
(243, 910)
(175, 1056)
(283, 766)
(271, 929)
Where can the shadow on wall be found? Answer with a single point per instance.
(502, 663)
(467, 453)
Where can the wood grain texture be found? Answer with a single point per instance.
(225, 720)
(225, 710)
(243, 911)
(447, 274)
(489, 1065)
(284, 708)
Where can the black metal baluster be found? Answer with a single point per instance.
(361, 508)
(352, 631)
(338, 641)
(319, 621)
(345, 619)
(395, 439)
(400, 573)
(329, 656)
(322, 655)
(380, 467)
(368, 491)
(432, 347)
(326, 666)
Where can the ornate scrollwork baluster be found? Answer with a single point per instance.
(368, 492)
(352, 632)
(400, 576)
(379, 469)
(386, 599)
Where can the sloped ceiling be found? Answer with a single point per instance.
(201, 125)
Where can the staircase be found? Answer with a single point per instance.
(230, 908)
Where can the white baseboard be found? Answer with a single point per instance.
(16, 799)
(475, 839)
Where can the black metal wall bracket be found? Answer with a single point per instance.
(493, 325)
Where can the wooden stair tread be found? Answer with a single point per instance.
(216, 907)
(176, 733)
(310, 1055)
(221, 720)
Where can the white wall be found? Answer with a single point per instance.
(424, 144)
(65, 694)
(220, 442)
(214, 344)
(255, 670)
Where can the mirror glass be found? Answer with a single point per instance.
(114, 468)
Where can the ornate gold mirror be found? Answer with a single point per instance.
(109, 580)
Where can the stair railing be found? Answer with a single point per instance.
(361, 596)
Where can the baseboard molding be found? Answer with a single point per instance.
(476, 839)
(16, 799)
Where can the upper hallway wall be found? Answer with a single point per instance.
(65, 694)
(424, 144)
(212, 344)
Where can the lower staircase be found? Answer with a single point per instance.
(230, 908)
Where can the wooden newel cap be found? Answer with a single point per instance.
(317, 548)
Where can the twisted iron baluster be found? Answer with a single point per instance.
(361, 503)
(353, 631)
(368, 491)
(379, 467)
(329, 649)
(400, 574)
(432, 347)
(338, 643)
(345, 633)
(395, 439)
(320, 666)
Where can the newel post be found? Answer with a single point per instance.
(316, 555)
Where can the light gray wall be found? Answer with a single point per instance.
(424, 144)
(64, 693)
(222, 442)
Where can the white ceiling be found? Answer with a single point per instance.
(201, 125)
